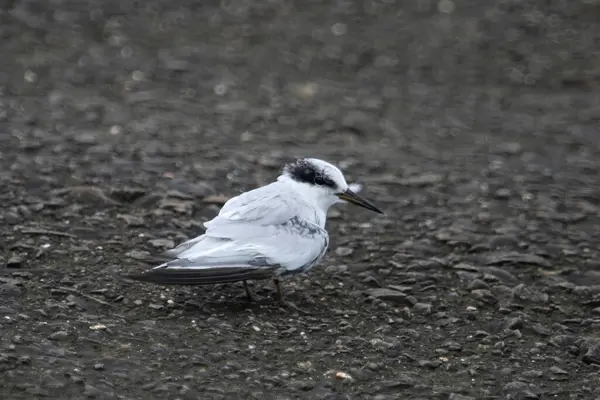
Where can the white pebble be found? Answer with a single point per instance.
(220, 89)
(30, 76)
(339, 29)
(446, 6)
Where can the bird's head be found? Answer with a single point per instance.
(323, 183)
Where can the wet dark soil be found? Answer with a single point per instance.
(124, 124)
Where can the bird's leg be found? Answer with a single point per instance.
(284, 303)
(248, 291)
(279, 292)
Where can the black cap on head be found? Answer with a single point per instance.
(307, 172)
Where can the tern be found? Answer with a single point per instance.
(271, 232)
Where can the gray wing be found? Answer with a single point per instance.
(270, 205)
(263, 206)
(256, 235)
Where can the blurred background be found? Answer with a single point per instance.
(125, 124)
(174, 84)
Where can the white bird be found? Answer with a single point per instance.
(270, 232)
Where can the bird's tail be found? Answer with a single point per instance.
(166, 275)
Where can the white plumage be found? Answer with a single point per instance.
(268, 232)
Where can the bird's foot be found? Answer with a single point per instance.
(287, 305)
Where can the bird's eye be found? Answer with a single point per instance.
(321, 180)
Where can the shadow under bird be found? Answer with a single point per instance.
(270, 232)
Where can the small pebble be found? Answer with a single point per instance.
(162, 243)
(14, 262)
(344, 251)
(558, 371)
(60, 335)
(343, 376)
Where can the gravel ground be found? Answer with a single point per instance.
(125, 124)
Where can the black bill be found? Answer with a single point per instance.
(353, 198)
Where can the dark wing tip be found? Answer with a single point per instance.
(146, 276)
(164, 277)
(191, 276)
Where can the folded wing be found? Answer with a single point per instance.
(257, 235)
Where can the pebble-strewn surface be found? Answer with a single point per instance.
(124, 125)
